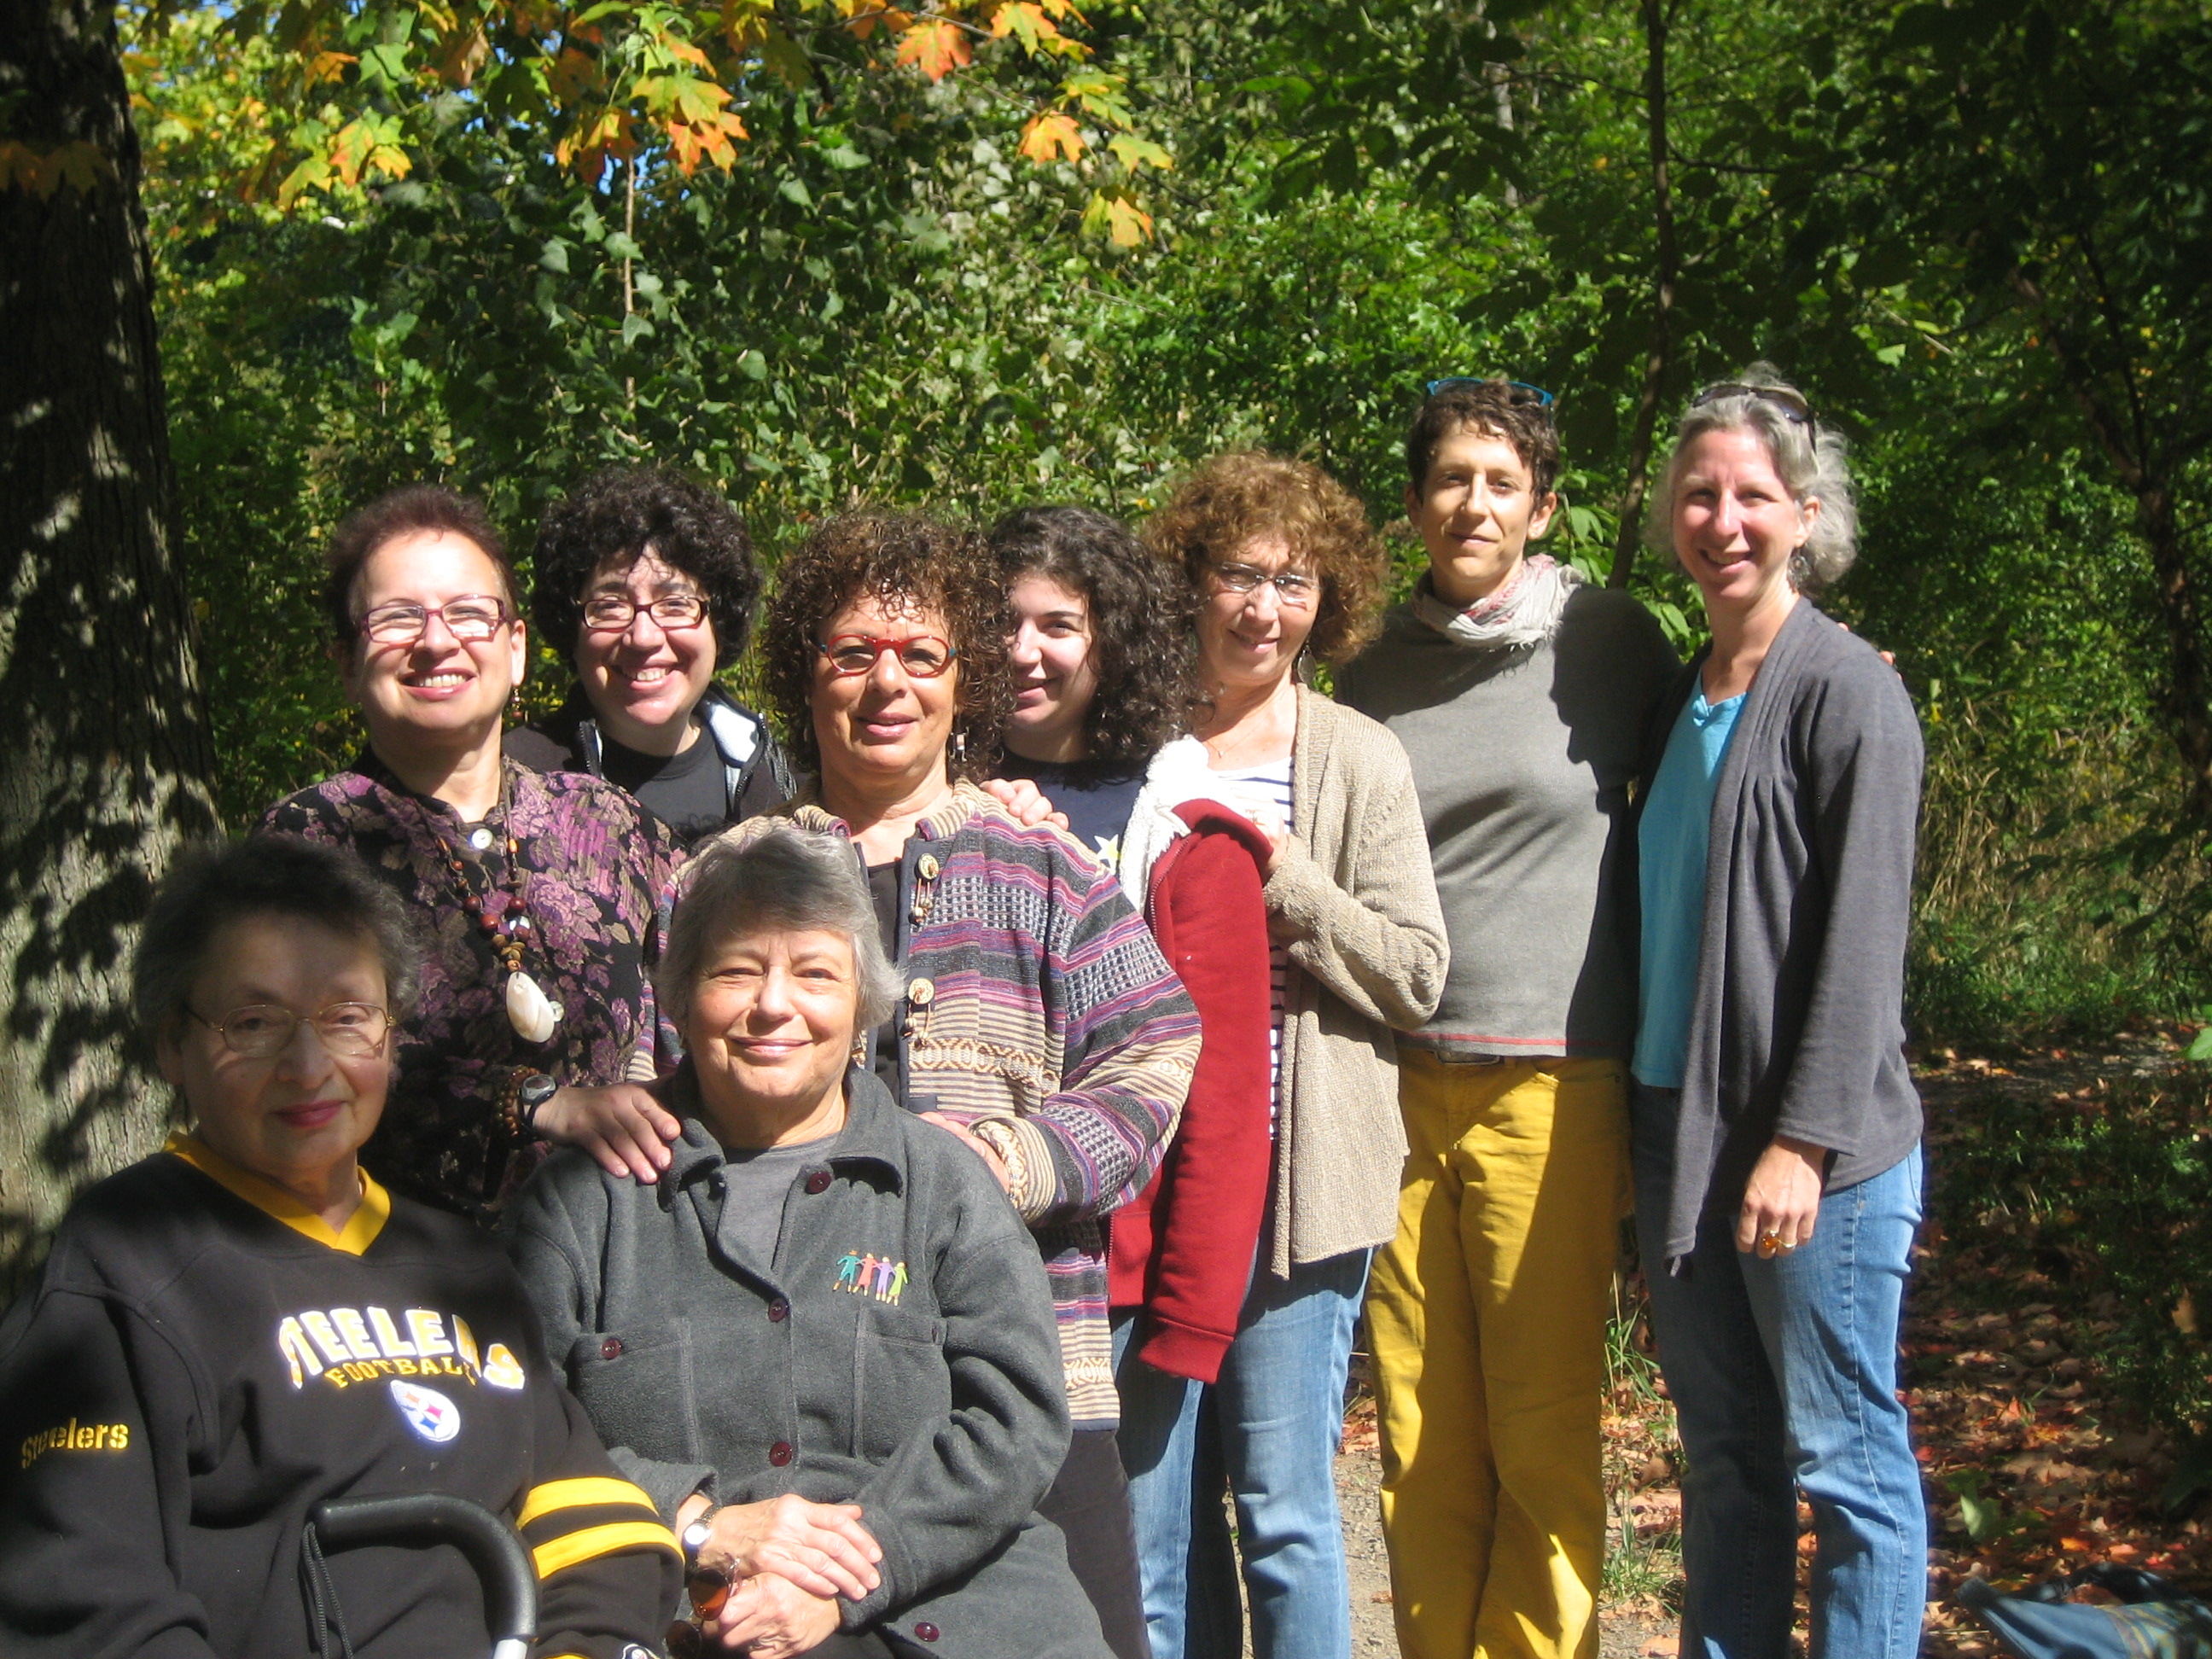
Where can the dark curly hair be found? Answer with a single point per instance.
(899, 560)
(615, 516)
(1144, 661)
(413, 509)
(1515, 415)
(1233, 499)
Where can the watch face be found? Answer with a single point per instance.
(695, 1537)
(537, 1090)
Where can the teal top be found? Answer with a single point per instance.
(1670, 861)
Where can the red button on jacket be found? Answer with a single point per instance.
(611, 1348)
(927, 1630)
(780, 1453)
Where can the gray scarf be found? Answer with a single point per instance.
(1525, 610)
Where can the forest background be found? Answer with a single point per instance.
(1004, 252)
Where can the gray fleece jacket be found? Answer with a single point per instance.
(1798, 1024)
(929, 1394)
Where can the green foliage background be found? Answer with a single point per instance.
(883, 303)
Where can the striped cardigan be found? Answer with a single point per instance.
(1039, 1011)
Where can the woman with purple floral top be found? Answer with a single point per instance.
(542, 896)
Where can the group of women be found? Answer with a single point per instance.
(1046, 916)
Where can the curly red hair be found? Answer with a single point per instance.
(1235, 499)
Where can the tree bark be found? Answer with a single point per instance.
(1664, 267)
(107, 766)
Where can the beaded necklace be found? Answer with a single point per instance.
(501, 907)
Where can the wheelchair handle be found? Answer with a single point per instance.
(510, 1583)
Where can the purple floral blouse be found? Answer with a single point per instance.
(599, 876)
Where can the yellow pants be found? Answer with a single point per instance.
(1486, 1315)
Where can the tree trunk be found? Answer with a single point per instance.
(1664, 261)
(106, 768)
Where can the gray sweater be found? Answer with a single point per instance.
(929, 1392)
(1798, 1024)
(1524, 758)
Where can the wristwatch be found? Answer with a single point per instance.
(533, 1092)
(695, 1536)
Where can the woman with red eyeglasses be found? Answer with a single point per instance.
(542, 895)
(1037, 1018)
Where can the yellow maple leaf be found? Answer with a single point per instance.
(935, 47)
(1049, 134)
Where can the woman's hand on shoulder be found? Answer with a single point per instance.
(1781, 1201)
(771, 1618)
(821, 1548)
(622, 1126)
(981, 1148)
(1025, 802)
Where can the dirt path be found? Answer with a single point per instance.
(2009, 1408)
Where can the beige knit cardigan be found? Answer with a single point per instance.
(1354, 903)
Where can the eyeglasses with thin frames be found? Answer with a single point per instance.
(1526, 393)
(1293, 588)
(260, 1030)
(614, 613)
(471, 619)
(923, 656)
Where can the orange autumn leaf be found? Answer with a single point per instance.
(935, 47)
(1048, 134)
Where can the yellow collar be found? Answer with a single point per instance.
(362, 1226)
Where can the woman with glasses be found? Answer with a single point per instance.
(1521, 695)
(246, 1324)
(1037, 1018)
(541, 895)
(1281, 564)
(647, 581)
(831, 1358)
(1776, 1130)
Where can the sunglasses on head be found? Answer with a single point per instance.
(1522, 391)
(1791, 402)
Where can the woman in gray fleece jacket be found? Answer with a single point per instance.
(1777, 1133)
(823, 1341)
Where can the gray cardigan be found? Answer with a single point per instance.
(1354, 905)
(1798, 1023)
(934, 1402)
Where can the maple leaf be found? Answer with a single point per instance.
(935, 47)
(1133, 153)
(685, 51)
(464, 54)
(1026, 21)
(1114, 214)
(328, 66)
(1047, 134)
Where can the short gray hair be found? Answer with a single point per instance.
(773, 875)
(1807, 457)
(283, 878)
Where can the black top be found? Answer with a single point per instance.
(1096, 796)
(884, 1047)
(756, 777)
(686, 790)
(201, 1362)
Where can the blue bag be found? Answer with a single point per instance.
(2158, 1622)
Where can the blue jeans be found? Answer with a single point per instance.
(1269, 1430)
(1784, 1371)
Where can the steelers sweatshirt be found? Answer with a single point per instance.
(203, 1360)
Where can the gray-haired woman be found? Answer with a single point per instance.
(823, 1342)
(1777, 1133)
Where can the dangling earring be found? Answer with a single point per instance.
(958, 746)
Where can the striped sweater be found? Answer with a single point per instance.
(1038, 1010)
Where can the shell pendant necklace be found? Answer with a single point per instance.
(502, 909)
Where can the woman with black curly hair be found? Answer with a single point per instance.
(1036, 1019)
(648, 578)
(1102, 676)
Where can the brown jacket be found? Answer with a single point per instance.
(1356, 904)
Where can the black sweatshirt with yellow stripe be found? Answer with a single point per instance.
(203, 1360)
